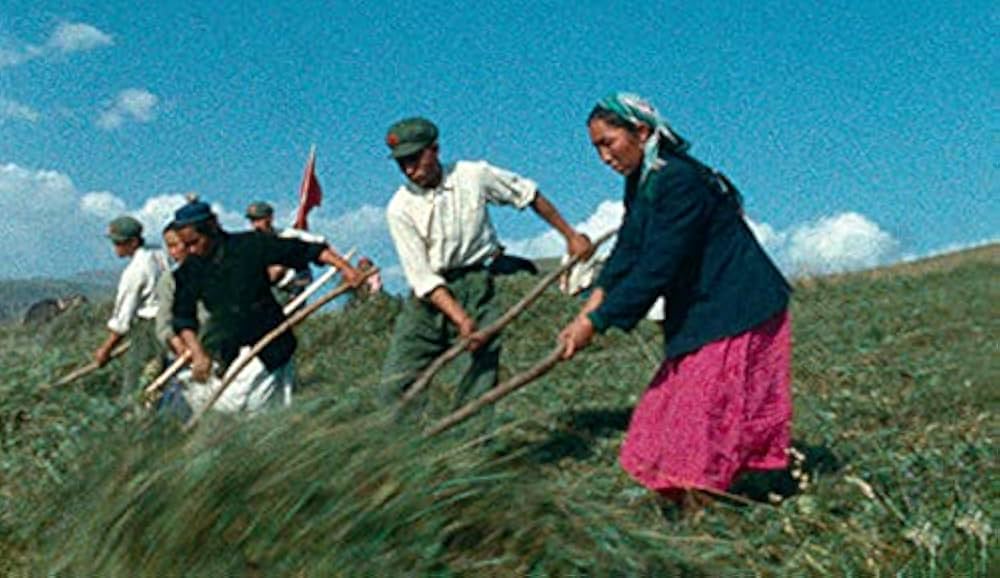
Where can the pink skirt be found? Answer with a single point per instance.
(713, 413)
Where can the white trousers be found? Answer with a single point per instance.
(251, 391)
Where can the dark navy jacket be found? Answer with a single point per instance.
(233, 285)
(685, 239)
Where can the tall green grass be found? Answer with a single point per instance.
(896, 400)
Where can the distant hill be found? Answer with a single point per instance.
(16, 295)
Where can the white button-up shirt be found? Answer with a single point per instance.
(448, 227)
(136, 295)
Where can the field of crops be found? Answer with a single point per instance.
(896, 398)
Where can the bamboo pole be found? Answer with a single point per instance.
(86, 369)
(179, 363)
(424, 379)
(498, 392)
(244, 360)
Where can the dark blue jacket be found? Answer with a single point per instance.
(684, 238)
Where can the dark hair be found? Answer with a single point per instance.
(601, 113)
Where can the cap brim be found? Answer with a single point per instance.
(407, 149)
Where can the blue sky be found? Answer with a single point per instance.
(860, 133)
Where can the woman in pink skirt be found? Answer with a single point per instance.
(720, 403)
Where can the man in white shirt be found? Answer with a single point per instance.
(135, 302)
(447, 247)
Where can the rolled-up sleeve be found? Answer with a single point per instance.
(504, 187)
(412, 255)
(126, 301)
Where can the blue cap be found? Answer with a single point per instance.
(193, 212)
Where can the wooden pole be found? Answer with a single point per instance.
(87, 369)
(292, 321)
(423, 381)
(179, 363)
(498, 392)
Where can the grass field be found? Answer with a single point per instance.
(896, 399)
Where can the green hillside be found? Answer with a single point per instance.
(895, 375)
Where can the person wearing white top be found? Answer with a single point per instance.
(136, 302)
(447, 246)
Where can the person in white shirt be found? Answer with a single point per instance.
(447, 247)
(135, 302)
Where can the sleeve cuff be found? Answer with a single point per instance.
(118, 327)
(314, 251)
(424, 287)
(180, 324)
(597, 320)
(528, 195)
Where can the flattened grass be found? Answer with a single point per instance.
(896, 400)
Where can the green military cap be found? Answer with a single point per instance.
(410, 136)
(259, 210)
(124, 228)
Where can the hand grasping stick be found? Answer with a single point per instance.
(498, 392)
(485, 334)
(86, 369)
(292, 321)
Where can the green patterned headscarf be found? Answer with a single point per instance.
(636, 110)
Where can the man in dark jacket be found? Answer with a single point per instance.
(228, 274)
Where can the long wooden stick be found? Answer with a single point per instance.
(424, 380)
(291, 306)
(244, 360)
(498, 392)
(87, 369)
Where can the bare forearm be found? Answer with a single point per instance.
(576, 243)
(593, 302)
(111, 341)
(446, 303)
(333, 259)
(548, 212)
(189, 340)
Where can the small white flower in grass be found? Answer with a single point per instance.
(924, 537)
(862, 485)
(974, 525)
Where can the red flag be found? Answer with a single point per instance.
(310, 193)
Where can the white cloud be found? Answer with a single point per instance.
(51, 228)
(607, 216)
(136, 104)
(155, 212)
(76, 37)
(103, 205)
(43, 230)
(842, 242)
(68, 37)
(833, 244)
(13, 110)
